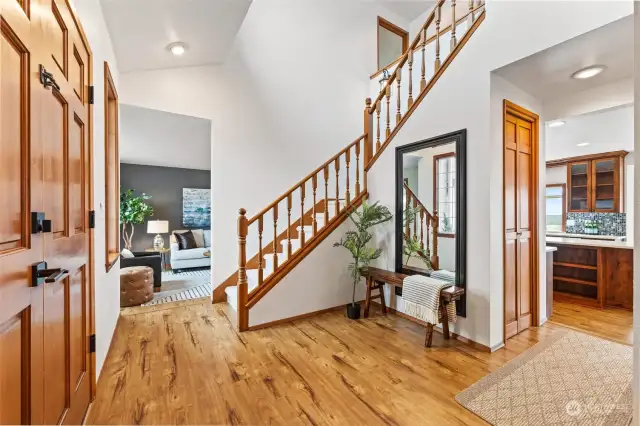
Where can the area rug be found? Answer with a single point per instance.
(184, 285)
(568, 379)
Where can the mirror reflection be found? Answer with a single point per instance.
(429, 210)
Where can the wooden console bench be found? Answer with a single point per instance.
(376, 279)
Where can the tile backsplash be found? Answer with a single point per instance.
(608, 223)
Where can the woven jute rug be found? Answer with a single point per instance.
(568, 379)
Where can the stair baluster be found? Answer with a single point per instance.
(438, 13)
(357, 169)
(415, 222)
(470, 17)
(398, 113)
(326, 195)
(314, 186)
(423, 81)
(289, 205)
(337, 165)
(260, 254)
(410, 99)
(388, 95)
(347, 195)
(434, 252)
(454, 41)
(302, 195)
(421, 229)
(275, 237)
(407, 200)
(378, 108)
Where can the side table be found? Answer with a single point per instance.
(163, 256)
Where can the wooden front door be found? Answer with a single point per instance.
(44, 150)
(520, 207)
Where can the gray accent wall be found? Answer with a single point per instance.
(165, 185)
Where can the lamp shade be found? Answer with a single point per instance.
(157, 227)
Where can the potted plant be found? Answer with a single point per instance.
(133, 211)
(411, 247)
(365, 218)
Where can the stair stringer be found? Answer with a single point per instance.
(320, 281)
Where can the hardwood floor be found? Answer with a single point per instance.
(611, 324)
(185, 363)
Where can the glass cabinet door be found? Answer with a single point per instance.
(605, 185)
(579, 183)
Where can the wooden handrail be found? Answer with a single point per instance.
(413, 194)
(305, 180)
(430, 39)
(405, 55)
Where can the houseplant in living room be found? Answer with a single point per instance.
(363, 219)
(133, 211)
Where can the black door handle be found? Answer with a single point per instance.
(52, 275)
(47, 80)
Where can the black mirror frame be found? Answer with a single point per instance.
(460, 139)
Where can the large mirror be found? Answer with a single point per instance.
(431, 209)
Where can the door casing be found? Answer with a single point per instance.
(522, 113)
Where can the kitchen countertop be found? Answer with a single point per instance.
(588, 236)
(590, 243)
(550, 249)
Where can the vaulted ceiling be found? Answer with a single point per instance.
(141, 30)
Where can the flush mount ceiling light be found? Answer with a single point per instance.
(583, 144)
(178, 49)
(588, 72)
(557, 123)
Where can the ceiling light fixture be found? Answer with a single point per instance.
(588, 72)
(556, 123)
(178, 49)
(583, 144)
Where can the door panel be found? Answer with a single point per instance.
(56, 360)
(66, 160)
(519, 202)
(14, 343)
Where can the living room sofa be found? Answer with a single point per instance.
(191, 258)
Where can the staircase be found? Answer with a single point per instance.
(287, 230)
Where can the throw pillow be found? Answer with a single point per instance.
(199, 237)
(127, 254)
(185, 240)
(207, 237)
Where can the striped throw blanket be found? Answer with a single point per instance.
(421, 297)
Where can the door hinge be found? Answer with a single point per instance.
(92, 219)
(92, 343)
(91, 95)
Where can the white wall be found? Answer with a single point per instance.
(308, 287)
(467, 96)
(280, 106)
(107, 285)
(159, 138)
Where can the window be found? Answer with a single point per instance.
(392, 42)
(112, 170)
(556, 208)
(444, 192)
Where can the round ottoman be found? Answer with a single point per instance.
(136, 285)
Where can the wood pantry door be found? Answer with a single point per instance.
(44, 329)
(520, 216)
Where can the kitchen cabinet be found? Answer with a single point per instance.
(595, 183)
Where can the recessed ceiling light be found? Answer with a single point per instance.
(588, 72)
(556, 123)
(178, 49)
(583, 144)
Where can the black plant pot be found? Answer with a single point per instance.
(353, 311)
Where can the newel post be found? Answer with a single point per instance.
(368, 132)
(243, 288)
